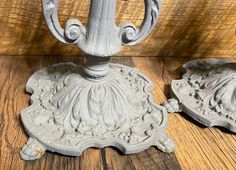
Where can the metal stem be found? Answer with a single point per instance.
(96, 68)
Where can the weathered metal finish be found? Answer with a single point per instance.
(101, 37)
(99, 104)
(207, 93)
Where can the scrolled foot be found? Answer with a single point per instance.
(32, 150)
(166, 144)
(172, 105)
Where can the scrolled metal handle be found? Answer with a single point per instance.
(131, 35)
(74, 31)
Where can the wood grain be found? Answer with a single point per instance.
(186, 28)
(14, 73)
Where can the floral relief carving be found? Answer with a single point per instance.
(69, 110)
(207, 92)
(97, 104)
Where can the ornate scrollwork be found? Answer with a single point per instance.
(207, 92)
(131, 35)
(93, 42)
(74, 30)
(70, 113)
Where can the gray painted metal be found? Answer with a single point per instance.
(99, 104)
(207, 93)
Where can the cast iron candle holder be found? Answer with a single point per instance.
(97, 104)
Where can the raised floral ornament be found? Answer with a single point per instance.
(99, 104)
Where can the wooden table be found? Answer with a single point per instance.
(197, 147)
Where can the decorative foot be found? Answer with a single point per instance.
(207, 92)
(32, 150)
(166, 144)
(70, 113)
(172, 105)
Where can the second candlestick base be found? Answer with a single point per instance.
(207, 93)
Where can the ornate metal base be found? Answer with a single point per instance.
(207, 93)
(70, 112)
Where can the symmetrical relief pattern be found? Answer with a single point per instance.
(100, 105)
(70, 113)
(101, 37)
(207, 92)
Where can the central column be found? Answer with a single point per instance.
(102, 38)
(96, 68)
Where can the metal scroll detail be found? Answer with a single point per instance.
(97, 104)
(132, 35)
(74, 30)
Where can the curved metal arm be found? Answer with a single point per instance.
(73, 31)
(131, 35)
